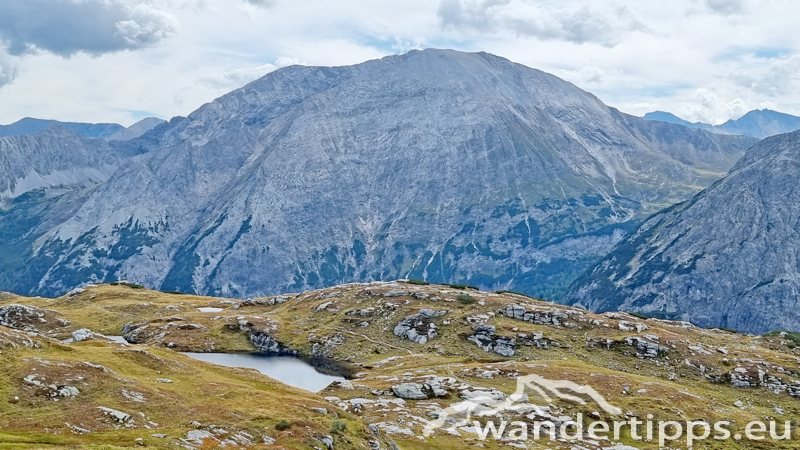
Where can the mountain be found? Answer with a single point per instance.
(44, 178)
(663, 116)
(438, 165)
(139, 128)
(727, 258)
(31, 126)
(54, 157)
(759, 124)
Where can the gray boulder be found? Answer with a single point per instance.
(410, 391)
(84, 334)
(419, 327)
(553, 317)
(645, 348)
(268, 344)
(21, 317)
(435, 387)
(485, 337)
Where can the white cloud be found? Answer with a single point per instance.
(589, 75)
(709, 106)
(262, 3)
(772, 78)
(237, 78)
(702, 59)
(9, 69)
(580, 24)
(726, 7)
(95, 27)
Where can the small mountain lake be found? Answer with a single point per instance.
(292, 371)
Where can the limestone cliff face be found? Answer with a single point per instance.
(730, 257)
(51, 158)
(438, 165)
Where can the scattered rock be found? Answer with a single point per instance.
(486, 339)
(77, 430)
(84, 334)
(21, 317)
(396, 294)
(419, 327)
(410, 391)
(645, 348)
(547, 317)
(76, 291)
(268, 344)
(434, 387)
(326, 345)
(366, 312)
(118, 416)
(67, 391)
(488, 398)
(327, 441)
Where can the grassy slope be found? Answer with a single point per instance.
(244, 400)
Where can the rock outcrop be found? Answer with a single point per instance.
(21, 317)
(551, 317)
(419, 327)
(486, 339)
(435, 387)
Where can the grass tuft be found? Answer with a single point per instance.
(465, 299)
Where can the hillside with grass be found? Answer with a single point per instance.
(410, 350)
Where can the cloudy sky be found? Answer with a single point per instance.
(122, 60)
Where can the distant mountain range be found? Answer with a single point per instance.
(727, 258)
(113, 131)
(439, 165)
(760, 123)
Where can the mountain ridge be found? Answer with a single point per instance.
(726, 258)
(434, 164)
(30, 125)
(759, 123)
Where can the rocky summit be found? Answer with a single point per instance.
(436, 165)
(727, 258)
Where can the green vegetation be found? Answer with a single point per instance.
(657, 315)
(465, 299)
(283, 425)
(130, 285)
(792, 336)
(514, 292)
(417, 282)
(461, 286)
(338, 426)
(729, 330)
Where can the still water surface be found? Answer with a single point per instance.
(292, 371)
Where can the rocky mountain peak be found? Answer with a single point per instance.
(440, 165)
(727, 258)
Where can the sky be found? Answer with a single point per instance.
(123, 60)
